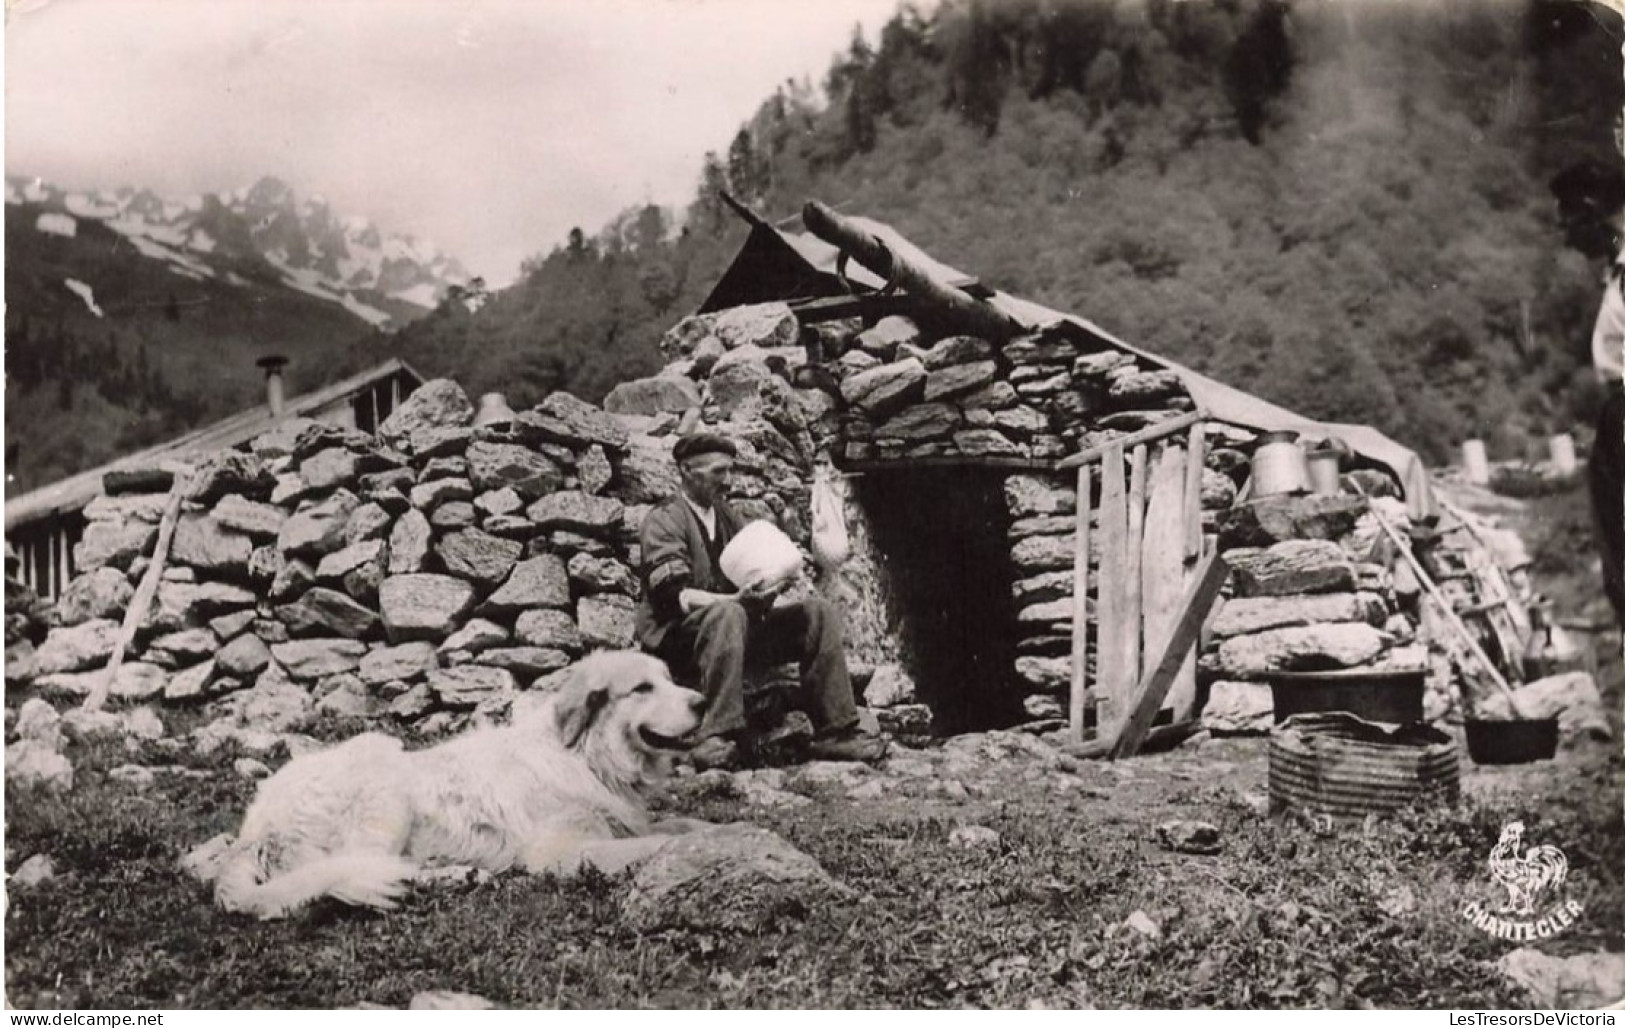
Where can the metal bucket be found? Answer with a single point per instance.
(1325, 472)
(1342, 766)
(1279, 466)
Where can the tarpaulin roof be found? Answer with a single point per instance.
(764, 266)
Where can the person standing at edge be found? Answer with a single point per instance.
(692, 617)
(1591, 204)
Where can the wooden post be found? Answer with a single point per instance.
(1195, 457)
(976, 316)
(1133, 609)
(1080, 616)
(1111, 596)
(1163, 571)
(143, 594)
(1147, 700)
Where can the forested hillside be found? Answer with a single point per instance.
(1340, 206)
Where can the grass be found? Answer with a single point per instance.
(1289, 915)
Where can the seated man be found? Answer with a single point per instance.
(693, 618)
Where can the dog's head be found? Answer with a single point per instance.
(618, 700)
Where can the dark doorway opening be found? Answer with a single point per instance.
(944, 535)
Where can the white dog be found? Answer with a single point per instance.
(556, 789)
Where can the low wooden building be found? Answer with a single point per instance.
(45, 524)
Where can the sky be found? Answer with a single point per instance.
(490, 127)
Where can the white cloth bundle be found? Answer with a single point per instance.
(760, 555)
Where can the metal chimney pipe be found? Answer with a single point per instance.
(273, 365)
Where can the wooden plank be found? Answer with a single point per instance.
(1148, 697)
(1111, 596)
(1195, 457)
(143, 593)
(1133, 609)
(1149, 434)
(1080, 617)
(1163, 572)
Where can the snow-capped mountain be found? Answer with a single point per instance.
(264, 230)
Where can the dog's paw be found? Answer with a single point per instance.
(203, 862)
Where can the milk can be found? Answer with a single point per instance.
(1279, 465)
(1325, 472)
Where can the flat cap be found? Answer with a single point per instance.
(703, 442)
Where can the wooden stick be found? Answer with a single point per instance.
(1195, 456)
(1153, 687)
(975, 316)
(1097, 748)
(1080, 618)
(1149, 434)
(1449, 612)
(143, 594)
(1112, 593)
(1135, 606)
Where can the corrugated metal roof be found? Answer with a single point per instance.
(75, 492)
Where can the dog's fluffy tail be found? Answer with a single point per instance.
(373, 880)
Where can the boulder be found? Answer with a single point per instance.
(765, 324)
(187, 646)
(419, 606)
(578, 512)
(409, 543)
(427, 496)
(113, 544)
(20, 662)
(1274, 519)
(505, 465)
(148, 507)
(476, 636)
(540, 581)
(1199, 837)
(551, 629)
(36, 870)
(309, 659)
(192, 682)
(471, 685)
(445, 467)
(292, 578)
(33, 763)
(1041, 553)
(1040, 349)
(478, 556)
(606, 621)
(244, 657)
(1021, 421)
(745, 389)
(883, 390)
(527, 663)
(1318, 647)
(985, 442)
(403, 663)
(248, 517)
(906, 720)
(230, 471)
(889, 686)
(594, 470)
(101, 594)
(1134, 388)
(958, 378)
(349, 698)
(1255, 614)
(498, 502)
(322, 611)
(329, 469)
(356, 556)
(413, 703)
(203, 543)
(1030, 496)
(318, 529)
(652, 396)
(1050, 524)
(440, 403)
(1582, 981)
(727, 878)
(920, 422)
(1049, 675)
(263, 565)
(601, 575)
(995, 396)
(368, 522)
(1238, 707)
(434, 443)
(274, 704)
(583, 423)
(77, 647)
(647, 472)
(1295, 566)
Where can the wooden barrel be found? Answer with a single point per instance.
(1346, 767)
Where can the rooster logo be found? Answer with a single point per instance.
(1533, 880)
(1530, 878)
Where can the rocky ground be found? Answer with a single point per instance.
(986, 870)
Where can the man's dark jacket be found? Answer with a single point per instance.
(675, 557)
